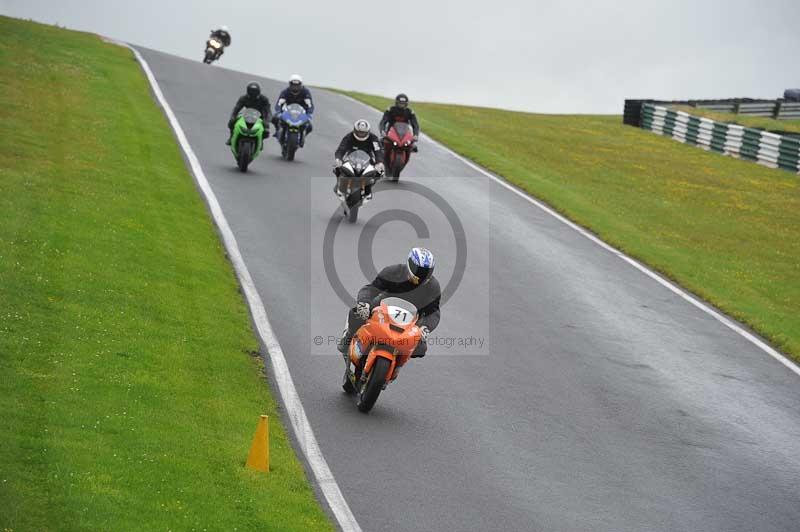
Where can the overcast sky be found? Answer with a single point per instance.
(561, 56)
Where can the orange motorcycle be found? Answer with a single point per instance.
(379, 349)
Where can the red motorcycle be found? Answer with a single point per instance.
(398, 145)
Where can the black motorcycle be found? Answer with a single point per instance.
(354, 182)
(214, 49)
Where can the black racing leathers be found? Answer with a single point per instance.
(393, 281)
(223, 36)
(399, 114)
(287, 97)
(260, 103)
(371, 145)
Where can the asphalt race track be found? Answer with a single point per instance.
(566, 389)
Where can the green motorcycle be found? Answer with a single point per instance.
(248, 137)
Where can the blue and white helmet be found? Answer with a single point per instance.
(420, 265)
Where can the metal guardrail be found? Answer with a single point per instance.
(778, 109)
(768, 149)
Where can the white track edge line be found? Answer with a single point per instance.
(291, 399)
(728, 322)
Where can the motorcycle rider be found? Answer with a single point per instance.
(413, 282)
(252, 99)
(297, 93)
(361, 138)
(400, 112)
(223, 35)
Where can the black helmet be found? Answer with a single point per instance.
(401, 100)
(253, 89)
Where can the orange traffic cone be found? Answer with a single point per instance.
(259, 452)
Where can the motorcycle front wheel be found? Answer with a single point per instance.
(291, 146)
(245, 155)
(352, 206)
(372, 389)
(397, 167)
(352, 214)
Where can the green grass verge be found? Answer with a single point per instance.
(129, 388)
(756, 122)
(726, 229)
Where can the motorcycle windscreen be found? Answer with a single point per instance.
(403, 130)
(401, 312)
(359, 159)
(250, 116)
(294, 113)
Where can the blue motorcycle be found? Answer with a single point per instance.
(293, 122)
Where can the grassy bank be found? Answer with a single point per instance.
(757, 122)
(728, 230)
(130, 388)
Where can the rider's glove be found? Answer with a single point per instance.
(414, 145)
(424, 331)
(337, 163)
(362, 310)
(422, 346)
(379, 168)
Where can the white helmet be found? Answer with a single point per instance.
(361, 129)
(224, 28)
(295, 84)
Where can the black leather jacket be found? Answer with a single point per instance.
(399, 114)
(260, 103)
(371, 145)
(287, 97)
(393, 281)
(223, 36)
